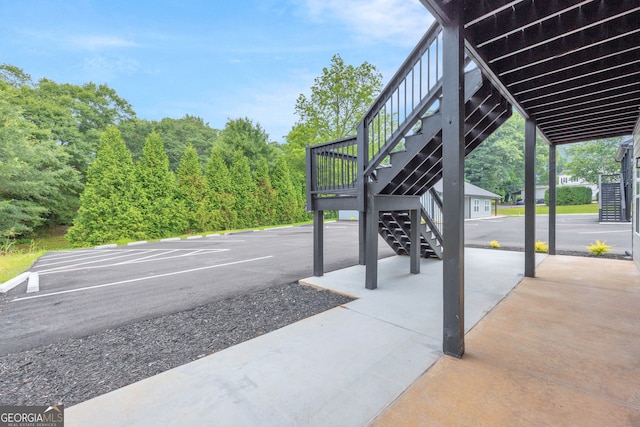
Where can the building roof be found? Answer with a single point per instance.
(470, 190)
(572, 66)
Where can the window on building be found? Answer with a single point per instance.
(476, 205)
(487, 205)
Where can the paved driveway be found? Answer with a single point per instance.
(86, 291)
(574, 232)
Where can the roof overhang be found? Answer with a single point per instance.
(572, 66)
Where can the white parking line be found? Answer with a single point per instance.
(136, 260)
(142, 278)
(90, 262)
(82, 257)
(601, 232)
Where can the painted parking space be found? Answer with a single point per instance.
(107, 258)
(85, 291)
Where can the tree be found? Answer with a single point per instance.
(75, 115)
(587, 160)
(221, 201)
(288, 206)
(158, 186)
(339, 99)
(109, 203)
(497, 165)
(177, 134)
(192, 191)
(35, 179)
(250, 140)
(243, 191)
(265, 196)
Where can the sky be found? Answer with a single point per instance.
(215, 59)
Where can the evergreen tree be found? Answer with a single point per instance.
(36, 180)
(108, 205)
(158, 185)
(265, 195)
(192, 191)
(221, 201)
(288, 207)
(243, 190)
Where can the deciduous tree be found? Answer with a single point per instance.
(587, 160)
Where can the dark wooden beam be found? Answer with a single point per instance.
(453, 115)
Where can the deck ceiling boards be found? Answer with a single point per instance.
(573, 66)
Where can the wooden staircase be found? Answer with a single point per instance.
(390, 166)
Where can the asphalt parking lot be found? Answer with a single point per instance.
(82, 292)
(86, 291)
(573, 232)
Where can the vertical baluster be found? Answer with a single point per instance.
(319, 169)
(322, 159)
(405, 98)
(386, 118)
(429, 70)
(342, 159)
(398, 103)
(420, 77)
(332, 169)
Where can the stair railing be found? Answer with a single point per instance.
(412, 91)
(332, 168)
(432, 212)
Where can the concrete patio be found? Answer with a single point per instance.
(560, 349)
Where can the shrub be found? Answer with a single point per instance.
(542, 247)
(570, 196)
(599, 248)
(494, 244)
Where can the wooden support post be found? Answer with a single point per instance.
(415, 241)
(318, 243)
(530, 198)
(552, 199)
(371, 275)
(453, 183)
(362, 238)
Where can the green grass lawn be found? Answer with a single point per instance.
(14, 264)
(560, 210)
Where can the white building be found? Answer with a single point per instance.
(478, 202)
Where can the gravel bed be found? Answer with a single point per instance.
(558, 252)
(74, 370)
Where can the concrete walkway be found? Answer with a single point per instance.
(342, 367)
(562, 349)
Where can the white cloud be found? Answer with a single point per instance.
(100, 42)
(399, 22)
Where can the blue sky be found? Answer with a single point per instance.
(212, 59)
